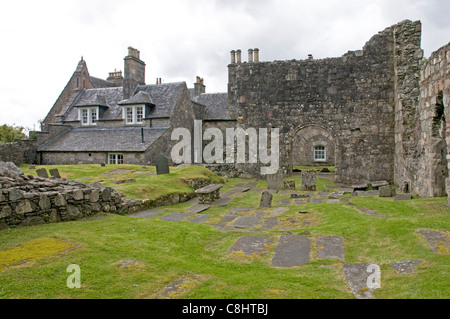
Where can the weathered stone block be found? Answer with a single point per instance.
(54, 216)
(289, 184)
(106, 194)
(60, 200)
(73, 213)
(386, 191)
(15, 194)
(400, 197)
(78, 194)
(33, 220)
(6, 211)
(2, 198)
(24, 207)
(54, 173)
(275, 181)
(44, 202)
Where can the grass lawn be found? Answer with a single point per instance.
(169, 251)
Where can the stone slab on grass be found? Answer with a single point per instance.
(270, 223)
(176, 217)
(439, 240)
(198, 208)
(200, 218)
(120, 171)
(400, 197)
(146, 213)
(224, 201)
(291, 251)
(227, 219)
(246, 222)
(278, 211)
(405, 266)
(370, 212)
(356, 276)
(330, 247)
(317, 200)
(251, 245)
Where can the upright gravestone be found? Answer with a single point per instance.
(266, 199)
(309, 180)
(42, 172)
(275, 181)
(54, 173)
(162, 165)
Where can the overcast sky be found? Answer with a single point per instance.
(43, 41)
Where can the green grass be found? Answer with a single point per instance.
(145, 187)
(168, 251)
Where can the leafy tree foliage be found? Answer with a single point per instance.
(10, 133)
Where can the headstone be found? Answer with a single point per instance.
(102, 164)
(309, 180)
(55, 173)
(42, 172)
(289, 184)
(32, 167)
(400, 197)
(386, 191)
(275, 181)
(266, 199)
(162, 165)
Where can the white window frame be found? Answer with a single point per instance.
(134, 114)
(115, 158)
(88, 115)
(322, 151)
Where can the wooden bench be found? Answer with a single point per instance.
(209, 194)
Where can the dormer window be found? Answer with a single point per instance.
(134, 114)
(88, 115)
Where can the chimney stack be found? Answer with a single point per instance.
(134, 72)
(238, 56)
(233, 57)
(250, 55)
(256, 55)
(199, 87)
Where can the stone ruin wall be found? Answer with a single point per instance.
(427, 162)
(353, 97)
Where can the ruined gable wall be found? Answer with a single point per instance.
(352, 96)
(432, 128)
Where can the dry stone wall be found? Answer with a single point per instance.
(29, 200)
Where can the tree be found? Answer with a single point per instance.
(10, 133)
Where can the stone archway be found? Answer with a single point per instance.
(313, 144)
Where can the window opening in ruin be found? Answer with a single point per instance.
(439, 117)
(115, 158)
(319, 153)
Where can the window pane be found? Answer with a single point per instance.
(112, 159)
(84, 116)
(129, 114)
(119, 158)
(319, 153)
(139, 114)
(93, 116)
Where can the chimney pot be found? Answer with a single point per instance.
(250, 55)
(233, 56)
(256, 55)
(238, 56)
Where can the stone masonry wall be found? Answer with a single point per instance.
(19, 152)
(352, 96)
(30, 200)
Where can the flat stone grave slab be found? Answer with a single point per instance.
(146, 213)
(370, 212)
(176, 217)
(257, 190)
(400, 197)
(226, 219)
(356, 276)
(278, 211)
(373, 193)
(180, 287)
(242, 209)
(270, 223)
(291, 251)
(330, 247)
(224, 201)
(345, 200)
(333, 201)
(198, 208)
(405, 266)
(251, 245)
(120, 170)
(246, 222)
(200, 218)
(439, 240)
(317, 200)
(285, 202)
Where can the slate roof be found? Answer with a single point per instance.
(92, 98)
(102, 139)
(164, 96)
(139, 98)
(215, 105)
